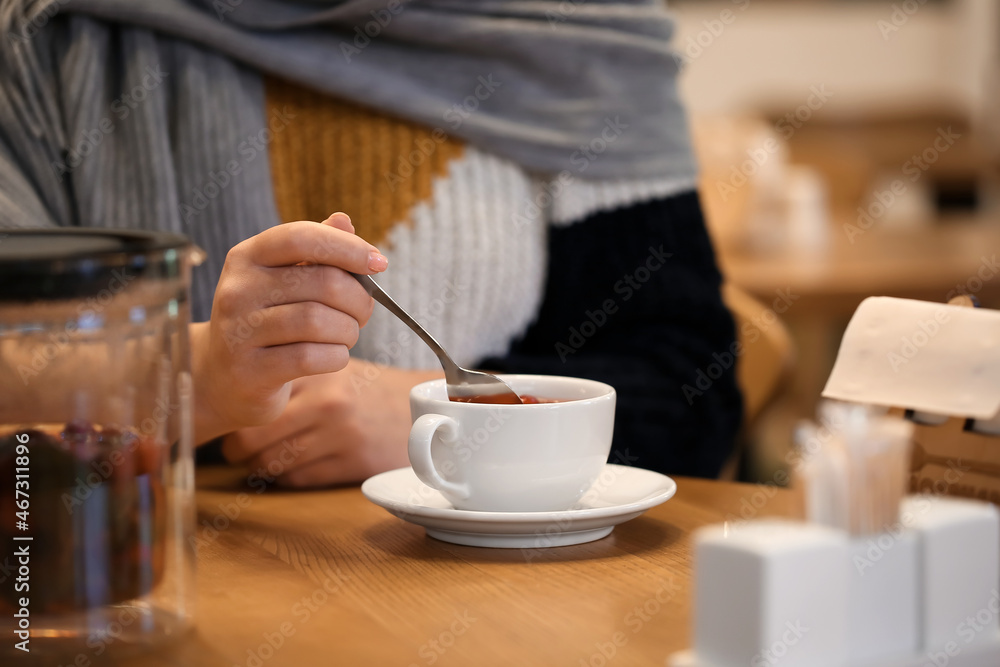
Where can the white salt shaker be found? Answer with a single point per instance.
(959, 576)
(770, 592)
(883, 597)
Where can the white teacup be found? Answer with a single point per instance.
(513, 458)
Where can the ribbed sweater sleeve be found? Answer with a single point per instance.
(632, 299)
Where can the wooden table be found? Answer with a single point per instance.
(327, 578)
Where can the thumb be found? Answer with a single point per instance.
(340, 221)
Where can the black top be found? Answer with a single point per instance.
(633, 300)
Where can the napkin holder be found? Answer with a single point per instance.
(939, 366)
(795, 594)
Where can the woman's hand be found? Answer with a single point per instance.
(337, 428)
(285, 307)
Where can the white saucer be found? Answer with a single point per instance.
(619, 494)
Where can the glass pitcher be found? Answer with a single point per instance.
(96, 467)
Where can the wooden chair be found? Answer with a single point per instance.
(764, 363)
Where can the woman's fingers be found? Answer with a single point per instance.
(324, 472)
(281, 435)
(305, 322)
(328, 285)
(340, 220)
(279, 364)
(306, 242)
(306, 441)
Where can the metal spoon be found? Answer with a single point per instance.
(462, 384)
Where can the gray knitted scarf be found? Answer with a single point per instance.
(150, 114)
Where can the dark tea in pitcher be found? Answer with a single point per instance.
(95, 513)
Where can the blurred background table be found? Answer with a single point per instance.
(327, 578)
(928, 263)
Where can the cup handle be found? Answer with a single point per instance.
(421, 436)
